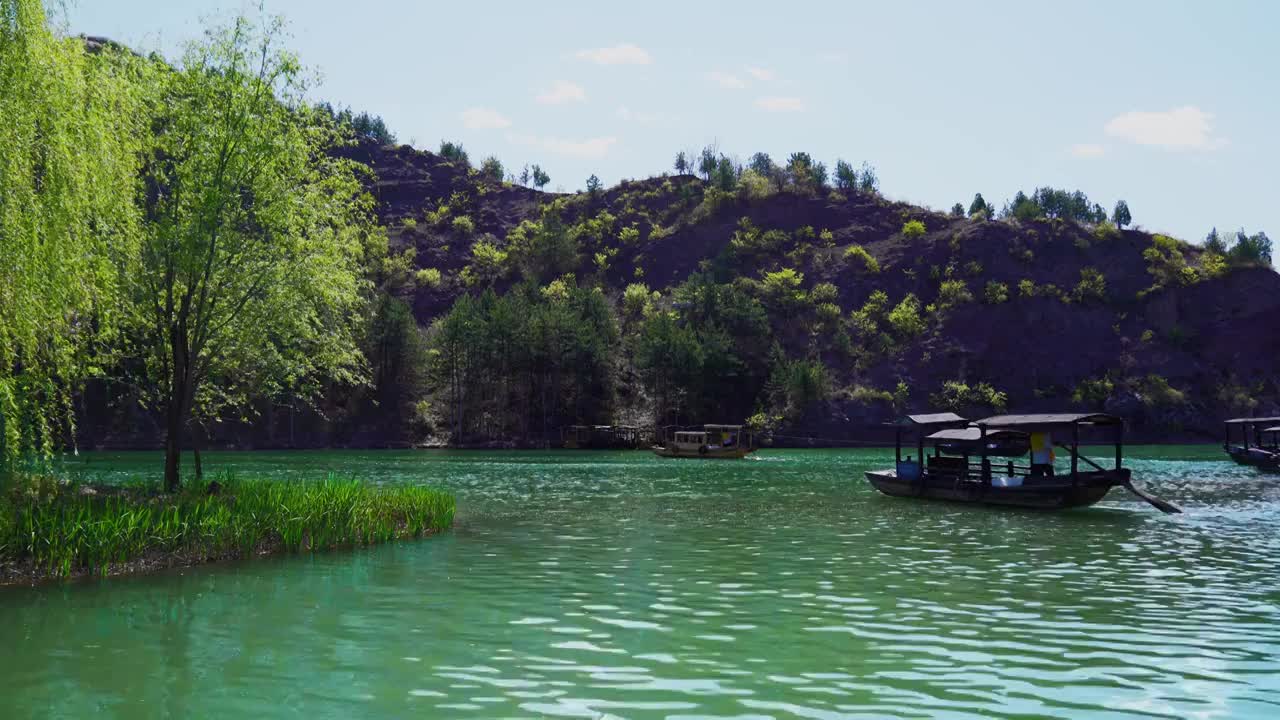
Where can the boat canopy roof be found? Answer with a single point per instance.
(1275, 429)
(722, 427)
(946, 418)
(1048, 420)
(1252, 421)
(974, 435)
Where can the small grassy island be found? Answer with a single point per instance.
(51, 528)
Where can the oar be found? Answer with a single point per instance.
(1163, 506)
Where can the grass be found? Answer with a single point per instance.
(58, 529)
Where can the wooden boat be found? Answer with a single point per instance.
(966, 462)
(712, 442)
(1256, 451)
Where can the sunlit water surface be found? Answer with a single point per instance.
(603, 585)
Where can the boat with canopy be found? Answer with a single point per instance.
(1259, 442)
(712, 442)
(1007, 460)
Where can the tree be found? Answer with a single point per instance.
(252, 278)
(593, 185)
(957, 210)
(1121, 216)
(800, 169)
(682, 163)
(762, 164)
(707, 162)
(725, 175)
(524, 176)
(1250, 249)
(1214, 243)
(454, 153)
(540, 177)
(71, 133)
(846, 176)
(980, 208)
(868, 181)
(492, 169)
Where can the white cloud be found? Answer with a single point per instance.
(624, 54)
(587, 148)
(1185, 128)
(760, 74)
(780, 104)
(478, 118)
(562, 91)
(726, 80)
(1088, 150)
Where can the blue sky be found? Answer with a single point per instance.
(1172, 106)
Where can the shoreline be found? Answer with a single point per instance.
(54, 530)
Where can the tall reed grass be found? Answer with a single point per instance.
(60, 528)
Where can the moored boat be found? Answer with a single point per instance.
(1006, 460)
(1259, 444)
(712, 442)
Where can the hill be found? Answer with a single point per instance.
(817, 312)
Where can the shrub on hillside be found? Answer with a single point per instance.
(996, 292)
(463, 225)
(913, 229)
(859, 255)
(905, 318)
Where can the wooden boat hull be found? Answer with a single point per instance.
(1255, 457)
(710, 454)
(1051, 495)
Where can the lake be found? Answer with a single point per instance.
(620, 585)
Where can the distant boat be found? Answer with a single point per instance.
(966, 462)
(712, 442)
(1256, 451)
(600, 437)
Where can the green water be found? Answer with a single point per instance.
(622, 585)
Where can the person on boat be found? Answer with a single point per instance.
(1041, 454)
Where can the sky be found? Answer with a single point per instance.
(1171, 106)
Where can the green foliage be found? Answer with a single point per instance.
(682, 163)
(488, 262)
(1158, 393)
(544, 249)
(1120, 216)
(823, 293)
(1236, 398)
(363, 126)
(980, 209)
(409, 223)
(1093, 393)
(636, 300)
(593, 185)
(60, 530)
(540, 177)
(952, 293)
(463, 225)
(957, 396)
(1026, 288)
(750, 241)
(454, 153)
(491, 169)
(861, 256)
(1092, 286)
(996, 292)
(429, 278)
(913, 229)
(827, 238)
(629, 235)
(1105, 230)
(72, 130)
(253, 269)
(905, 319)
(1166, 264)
(846, 176)
(973, 268)
(957, 210)
(794, 385)
(534, 358)
(782, 288)
(1053, 203)
(754, 186)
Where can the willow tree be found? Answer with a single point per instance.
(70, 134)
(255, 237)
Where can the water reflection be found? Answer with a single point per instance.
(618, 585)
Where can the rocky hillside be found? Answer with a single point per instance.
(1049, 313)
